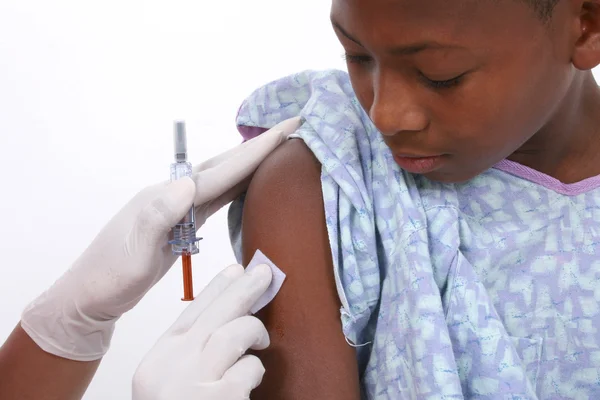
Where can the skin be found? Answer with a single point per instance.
(29, 373)
(526, 93)
(308, 357)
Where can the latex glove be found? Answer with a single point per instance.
(75, 317)
(201, 357)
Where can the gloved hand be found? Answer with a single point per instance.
(201, 357)
(75, 317)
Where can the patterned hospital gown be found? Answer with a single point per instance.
(487, 289)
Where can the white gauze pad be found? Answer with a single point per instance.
(276, 282)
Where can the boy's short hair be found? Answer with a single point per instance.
(544, 8)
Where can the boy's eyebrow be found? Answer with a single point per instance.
(343, 32)
(401, 50)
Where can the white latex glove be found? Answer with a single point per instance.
(201, 357)
(75, 317)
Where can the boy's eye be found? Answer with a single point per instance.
(445, 84)
(357, 59)
(432, 83)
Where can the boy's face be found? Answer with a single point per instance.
(465, 83)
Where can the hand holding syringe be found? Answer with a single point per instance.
(75, 318)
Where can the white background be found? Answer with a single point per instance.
(88, 95)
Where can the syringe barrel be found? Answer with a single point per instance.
(184, 233)
(180, 170)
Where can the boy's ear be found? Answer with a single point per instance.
(586, 53)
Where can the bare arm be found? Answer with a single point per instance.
(29, 373)
(283, 217)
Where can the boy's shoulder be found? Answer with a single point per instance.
(288, 174)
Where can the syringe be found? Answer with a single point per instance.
(184, 240)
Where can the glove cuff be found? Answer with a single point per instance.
(58, 328)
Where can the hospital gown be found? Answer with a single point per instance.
(487, 289)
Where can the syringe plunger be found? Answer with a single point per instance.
(180, 141)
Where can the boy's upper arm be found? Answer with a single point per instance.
(284, 217)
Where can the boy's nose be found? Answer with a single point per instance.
(396, 109)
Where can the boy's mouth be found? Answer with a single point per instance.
(419, 164)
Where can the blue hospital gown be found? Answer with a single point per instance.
(487, 289)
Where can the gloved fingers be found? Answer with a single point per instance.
(214, 181)
(206, 297)
(157, 217)
(235, 301)
(275, 135)
(230, 342)
(245, 374)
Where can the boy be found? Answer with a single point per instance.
(458, 175)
